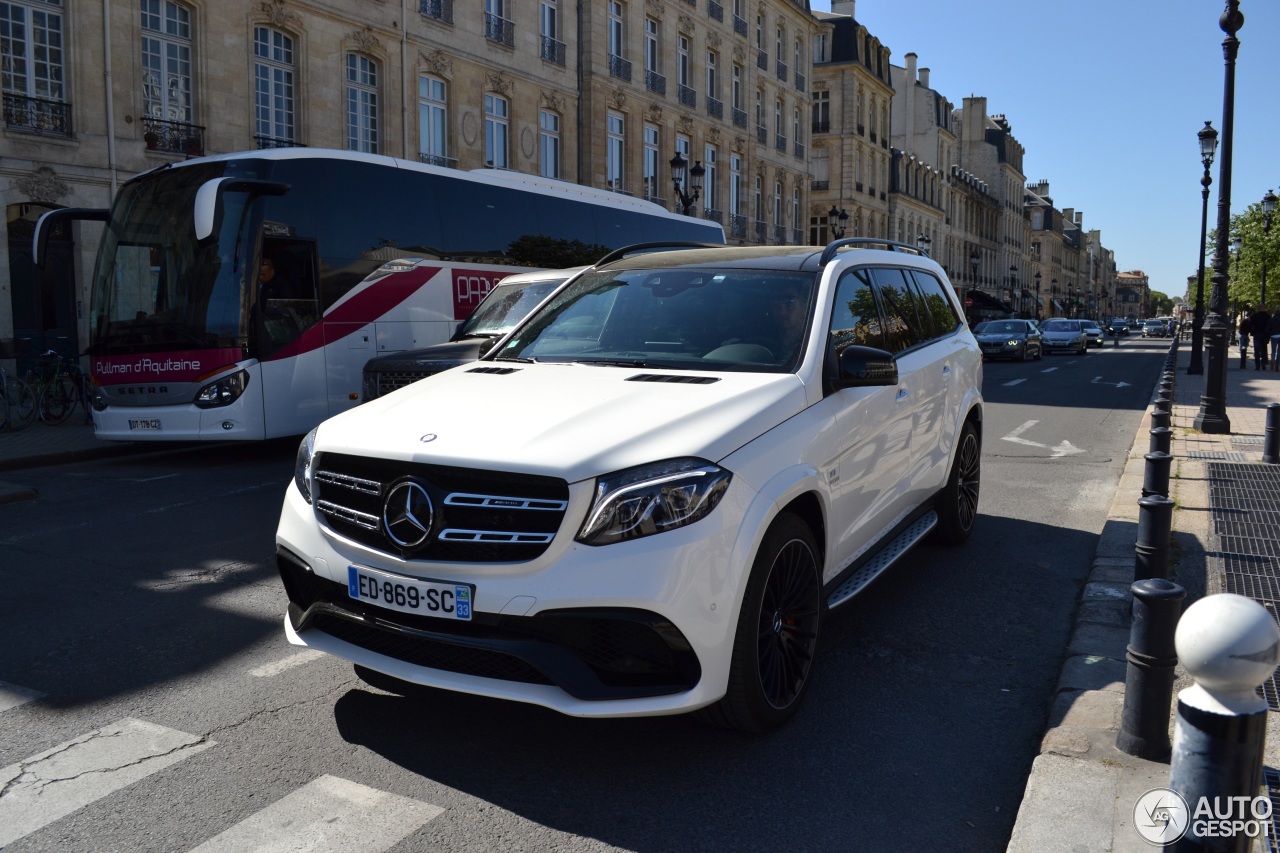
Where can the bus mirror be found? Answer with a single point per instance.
(207, 212)
(50, 220)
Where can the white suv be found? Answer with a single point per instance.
(645, 499)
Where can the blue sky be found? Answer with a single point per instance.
(1107, 97)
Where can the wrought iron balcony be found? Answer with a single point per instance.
(38, 114)
(687, 96)
(821, 125)
(800, 82)
(798, 150)
(780, 235)
(620, 68)
(440, 10)
(438, 160)
(780, 143)
(820, 185)
(715, 108)
(740, 26)
(759, 230)
(782, 70)
(276, 142)
(713, 214)
(552, 50)
(739, 117)
(797, 237)
(499, 29)
(762, 60)
(737, 226)
(655, 82)
(715, 10)
(762, 134)
(175, 137)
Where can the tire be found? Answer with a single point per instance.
(1026, 352)
(57, 401)
(776, 641)
(1039, 352)
(22, 403)
(957, 504)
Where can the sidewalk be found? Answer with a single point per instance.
(42, 444)
(1082, 791)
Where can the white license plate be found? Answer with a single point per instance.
(410, 595)
(147, 423)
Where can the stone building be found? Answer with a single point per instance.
(603, 94)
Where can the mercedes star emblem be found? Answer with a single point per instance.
(406, 516)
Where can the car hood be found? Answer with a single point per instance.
(573, 421)
(430, 358)
(985, 338)
(1065, 333)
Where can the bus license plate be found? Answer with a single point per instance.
(410, 595)
(148, 423)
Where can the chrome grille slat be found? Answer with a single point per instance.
(503, 502)
(364, 519)
(454, 534)
(369, 487)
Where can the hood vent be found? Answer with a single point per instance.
(500, 371)
(678, 379)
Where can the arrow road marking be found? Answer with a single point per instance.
(1065, 448)
(1097, 380)
(1015, 382)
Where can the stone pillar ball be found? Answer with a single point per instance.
(1228, 643)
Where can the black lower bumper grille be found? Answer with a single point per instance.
(592, 654)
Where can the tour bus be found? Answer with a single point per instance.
(239, 296)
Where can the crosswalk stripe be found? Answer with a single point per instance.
(329, 814)
(11, 696)
(57, 782)
(270, 669)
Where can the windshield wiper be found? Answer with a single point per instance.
(515, 358)
(616, 362)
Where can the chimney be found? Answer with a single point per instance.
(843, 7)
(924, 77)
(1080, 219)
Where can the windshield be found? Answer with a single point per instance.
(1060, 326)
(504, 307)
(1005, 328)
(683, 319)
(157, 289)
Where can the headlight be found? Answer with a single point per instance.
(224, 391)
(1013, 343)
(651, 499)
(302, 465)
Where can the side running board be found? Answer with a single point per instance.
(883, 559)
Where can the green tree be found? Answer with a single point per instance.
(1258, 250)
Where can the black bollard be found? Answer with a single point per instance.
(1152, 657)
(1271, 443)
(1160, 419)
(1155, 477)
(1163, 402)
(1230, 645)
(1161, 439)
(1151, 552)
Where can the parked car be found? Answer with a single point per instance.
(649, 498)
(1093, 334)
(1117, 326)
(1154, 329)
(1061, 335)
(509, 302)
(1018, 339)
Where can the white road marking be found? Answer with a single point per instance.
(57, 782)
(329, 814)
(11, 696)
(290, 662)
(1049, 370)
(1065, 448)
(1097, 380)
(1015, 382)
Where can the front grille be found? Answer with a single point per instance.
(394, 380)
(596, 653)
(477, 516)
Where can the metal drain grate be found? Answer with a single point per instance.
(1244, 503)
(1246, 439)
(1220, 455)
(1271, 787)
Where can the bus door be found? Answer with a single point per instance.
(285, 314)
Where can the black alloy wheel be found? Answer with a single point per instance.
(958, 503)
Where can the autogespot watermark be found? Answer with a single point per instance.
(1162, 816)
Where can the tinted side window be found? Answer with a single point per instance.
(903, 326)
(942, 319)
(855, 321)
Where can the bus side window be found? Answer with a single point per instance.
(286, 292)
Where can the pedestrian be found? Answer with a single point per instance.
(1259, 322)
(1242, 328)
(1273, 332)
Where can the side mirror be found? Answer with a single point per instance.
(207, 212)
(865, 367)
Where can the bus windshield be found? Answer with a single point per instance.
(156, 288)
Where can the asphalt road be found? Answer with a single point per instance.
(150, 703)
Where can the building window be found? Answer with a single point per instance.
(497, 26)
(433, 125)
(34, 79)
(777, 203)
(166, 61)
(273, 86)
(617, 42)
(710, 197)
(549, 135)
(652, 58)
(713, 74)
(362, 103)
(549, 23)
(652, 161)
(497, 118)
(735, 184)
(615, 151)
(821, 112)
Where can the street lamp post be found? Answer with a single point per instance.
(1268, 208)
(1039, 304)
(680, 173)
(1053, 290)
(974, 260)
(1208, 145)
(1013, 288)
(838, 215)
(923, 242)
(1212, 417)
(1071, 300)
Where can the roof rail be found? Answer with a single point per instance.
(891, 245)
(618, 254)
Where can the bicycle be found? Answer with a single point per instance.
(61, 385)
(18, 404)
